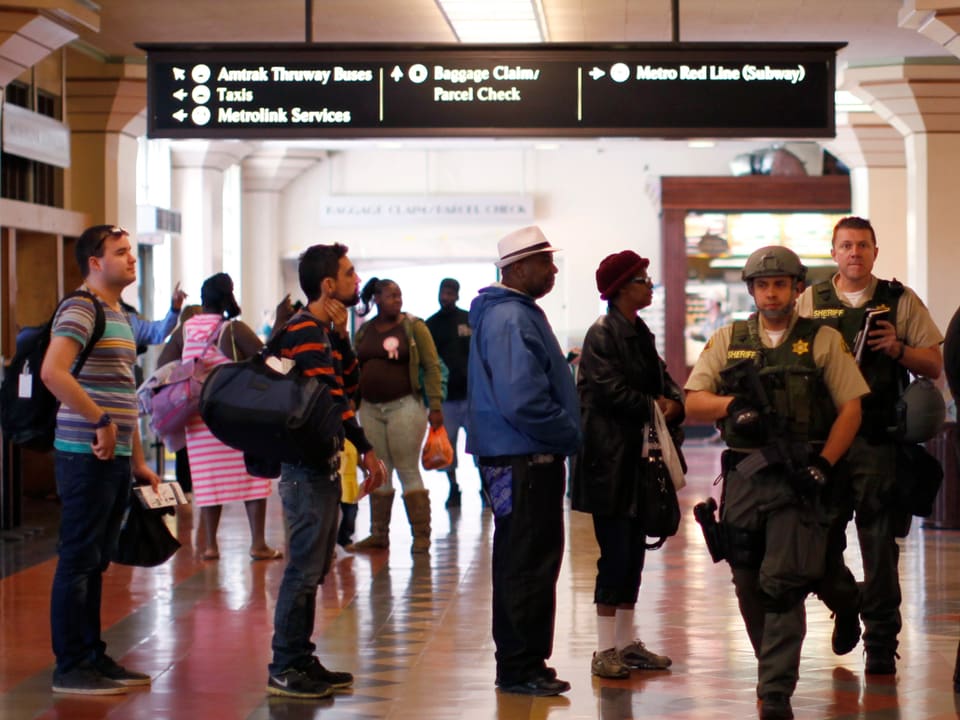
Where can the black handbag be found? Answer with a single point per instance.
(145, 540)
(661, 509)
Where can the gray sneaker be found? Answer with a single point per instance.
(636, 657)
(112, 670)
(84, 679)
(607, 664)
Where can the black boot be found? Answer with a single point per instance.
(453, 499)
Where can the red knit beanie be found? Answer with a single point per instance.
(616, 270)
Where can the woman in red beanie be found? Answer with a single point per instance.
(621, 376)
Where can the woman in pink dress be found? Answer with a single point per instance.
(218, 472)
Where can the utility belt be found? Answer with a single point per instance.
(530, 459)
(750, 463)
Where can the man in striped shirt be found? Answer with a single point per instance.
(317, 340)
(97, 446)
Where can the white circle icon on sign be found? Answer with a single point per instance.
(418, 73)
(200, 115)
(200, 73)
(200, 94)
(619, 72)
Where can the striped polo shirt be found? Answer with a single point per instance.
(106, 376)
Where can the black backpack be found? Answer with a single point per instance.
(29, 418)
(272, 417)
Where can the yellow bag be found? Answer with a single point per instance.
(350, 491)
(437, 451)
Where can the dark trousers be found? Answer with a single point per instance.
(623, 549)
(348, 523)
(873, 469)
(527, 550)
(311, 502)
(93, 497)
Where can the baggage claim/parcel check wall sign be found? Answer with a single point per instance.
(551, 90)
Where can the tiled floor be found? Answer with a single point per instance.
(416, 631)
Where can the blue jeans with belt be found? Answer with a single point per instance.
(311, 504)
(93, 497)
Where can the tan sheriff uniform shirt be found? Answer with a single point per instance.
(913, 322)
(840, 372)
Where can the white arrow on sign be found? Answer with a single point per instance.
(179, 74)
(180, 94)
(180, 115)
(596, 73)
(396, 73)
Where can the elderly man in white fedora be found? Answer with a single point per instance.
(523, 421)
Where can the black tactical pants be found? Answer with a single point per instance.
(771, 592)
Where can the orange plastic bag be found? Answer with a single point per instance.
(437, 450)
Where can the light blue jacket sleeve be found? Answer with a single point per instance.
(152, 332)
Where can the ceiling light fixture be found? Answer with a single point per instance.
(496, 21)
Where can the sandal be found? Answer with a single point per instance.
(268, 554)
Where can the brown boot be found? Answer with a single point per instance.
(417, 503)
(381, 506)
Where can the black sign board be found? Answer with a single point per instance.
(550, 90)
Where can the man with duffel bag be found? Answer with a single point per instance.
(316, 341)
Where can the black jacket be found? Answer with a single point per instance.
(620, 376)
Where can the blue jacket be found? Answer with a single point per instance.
(521, 397)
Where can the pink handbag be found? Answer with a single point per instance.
(172, 393)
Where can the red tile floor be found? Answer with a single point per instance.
(415, 631)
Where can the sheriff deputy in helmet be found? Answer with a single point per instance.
(786, 394)
(902, 337)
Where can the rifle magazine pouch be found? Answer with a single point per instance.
(796, 549)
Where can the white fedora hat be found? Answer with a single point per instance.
(522, 243)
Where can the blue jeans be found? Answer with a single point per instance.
(311, 505)
(93, 496)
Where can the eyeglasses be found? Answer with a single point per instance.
(643, 281)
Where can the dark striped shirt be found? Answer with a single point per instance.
(106, 376)
(331, 361)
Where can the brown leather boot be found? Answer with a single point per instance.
(381, 506)
(417, 503)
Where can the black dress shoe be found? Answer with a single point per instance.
(539, 686)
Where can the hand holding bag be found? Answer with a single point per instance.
(437, 450)
(145, 540)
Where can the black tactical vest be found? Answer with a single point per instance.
(885, 375)
(793, 383)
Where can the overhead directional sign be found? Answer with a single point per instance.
(550, 90)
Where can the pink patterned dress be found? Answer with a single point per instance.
(219, 474)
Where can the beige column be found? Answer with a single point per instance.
(27, 37)
(874, 151)
(921, 100)
(104, 104)
(197, 168)
(266, 172)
